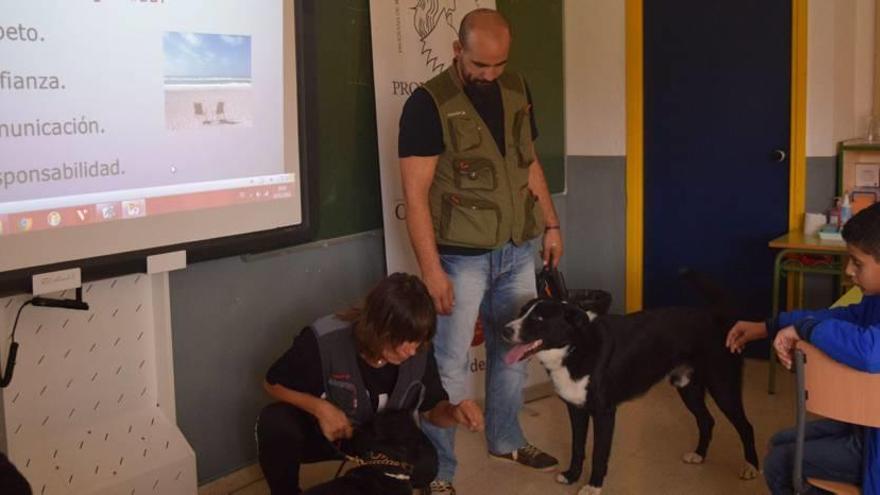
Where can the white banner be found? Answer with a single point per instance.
(412, 42)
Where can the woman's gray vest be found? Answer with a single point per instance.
(343, 382)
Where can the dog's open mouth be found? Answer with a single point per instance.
(522, 351)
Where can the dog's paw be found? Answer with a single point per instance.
(590, 490)
(692, 458)
(748, 472)
(567, 477)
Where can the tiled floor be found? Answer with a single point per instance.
(651, 435)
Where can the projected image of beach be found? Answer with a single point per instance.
(207, 81)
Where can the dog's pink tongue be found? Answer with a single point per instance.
(517, 352)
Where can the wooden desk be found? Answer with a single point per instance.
(802, 243)
(792, 245)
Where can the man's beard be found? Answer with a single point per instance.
(478, 85)
(472, 83)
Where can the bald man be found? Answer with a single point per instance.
(477, 208)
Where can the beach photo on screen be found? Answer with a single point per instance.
(207, 81)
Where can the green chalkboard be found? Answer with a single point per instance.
(341, 116)
(341, 105)
(537, 53)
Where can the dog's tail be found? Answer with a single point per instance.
(719, 301)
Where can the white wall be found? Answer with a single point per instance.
(595, 78)
(840, 70)
(91, 407)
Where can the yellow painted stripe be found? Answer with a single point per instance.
(634, 154)
(797, 184)
(798, 148)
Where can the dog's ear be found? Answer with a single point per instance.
(388, 432)
(575, 316)
(395, 426)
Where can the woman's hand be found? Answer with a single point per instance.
(467, 413)
(744, 332)
(784, 344)
(333, 422)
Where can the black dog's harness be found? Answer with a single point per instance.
(380, 459)
(404, 469)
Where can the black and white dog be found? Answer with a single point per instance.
(597, 362)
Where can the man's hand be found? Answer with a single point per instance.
(784, 344)
(552, 251)
(440, 289)
(744, 332)
(467, 413)
(333, 422)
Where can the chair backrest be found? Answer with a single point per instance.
(220, 107)
(852, 296)
(197, 108)
(836, 391)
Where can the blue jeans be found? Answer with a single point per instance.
(494, 286)
(832, 451)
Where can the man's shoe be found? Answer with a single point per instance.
(440, 486)
(530, 456)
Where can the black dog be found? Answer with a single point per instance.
(597, 362)
(11, 481)
(391, 456)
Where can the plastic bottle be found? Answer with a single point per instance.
(845, 210)
(834, 214)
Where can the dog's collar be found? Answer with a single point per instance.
(380, 459)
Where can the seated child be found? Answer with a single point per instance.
(851, 335)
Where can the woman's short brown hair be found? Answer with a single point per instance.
(397, 310)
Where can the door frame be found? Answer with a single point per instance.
(635, 132)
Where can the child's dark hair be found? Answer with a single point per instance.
(397, 310)
(863, 231)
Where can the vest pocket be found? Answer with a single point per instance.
(522, 132)
(473, 222)
(464, 133)
(476, 174)
(343, 395)
(533, 219)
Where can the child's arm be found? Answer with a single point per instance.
(851, 313)
(744, 332)
(851, 344)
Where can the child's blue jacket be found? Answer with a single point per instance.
(850, 335)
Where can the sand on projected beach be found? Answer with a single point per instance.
(203, 106)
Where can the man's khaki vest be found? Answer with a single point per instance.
(480, 197)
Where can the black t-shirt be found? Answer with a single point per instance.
(300, 369)
(421, 133)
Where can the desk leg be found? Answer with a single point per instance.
(771, 359)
